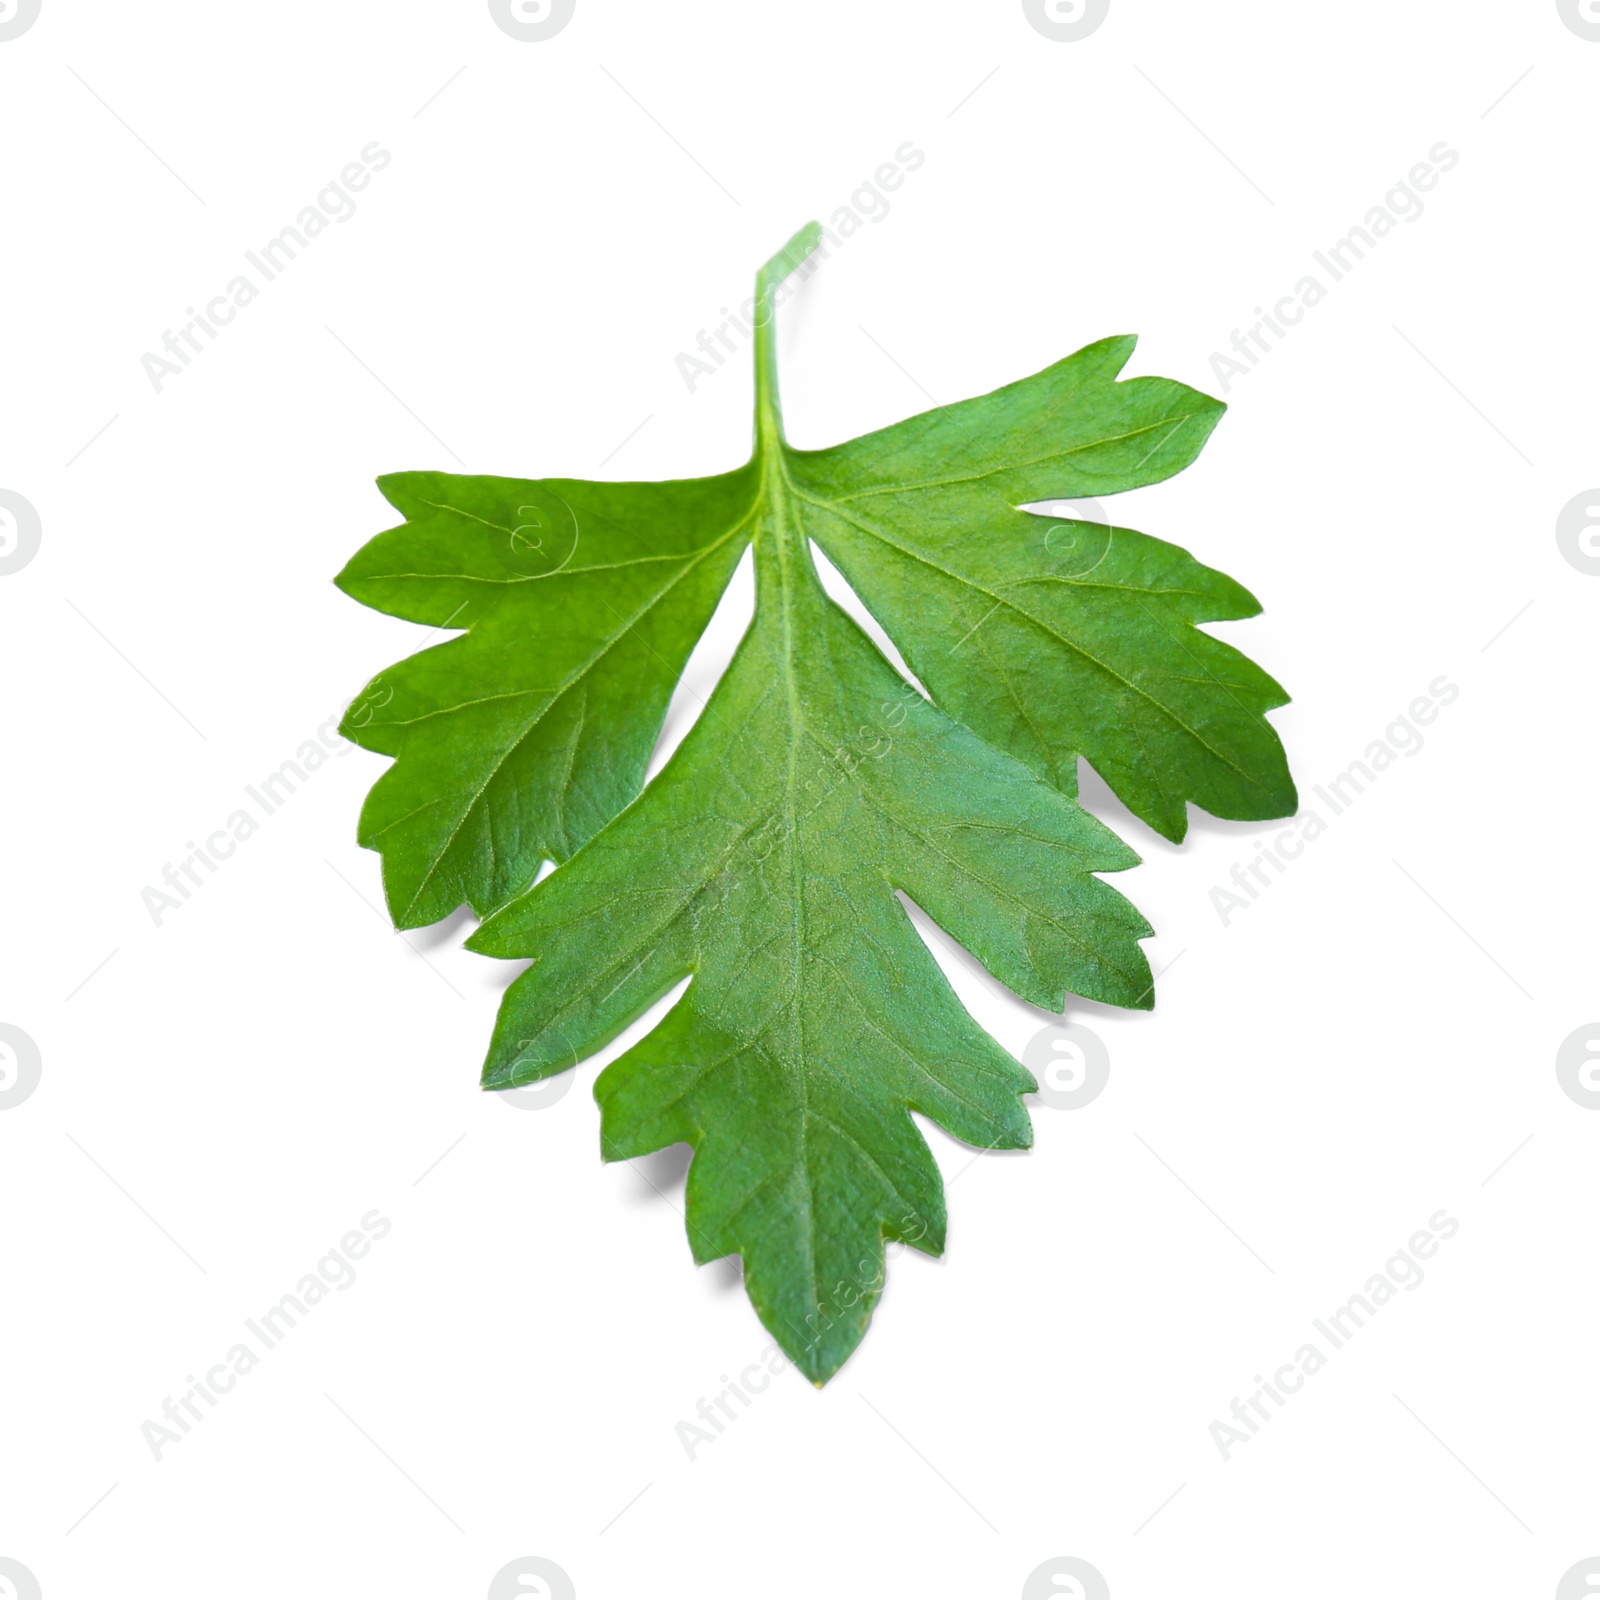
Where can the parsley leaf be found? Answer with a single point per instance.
(765, 858)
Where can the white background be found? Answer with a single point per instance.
(225, 1095)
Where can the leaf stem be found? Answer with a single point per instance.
(769, 412)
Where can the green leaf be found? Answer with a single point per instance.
(766, 860)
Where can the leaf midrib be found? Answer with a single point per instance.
(1014, 466)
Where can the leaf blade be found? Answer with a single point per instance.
(505, 756)
(1090, 634)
